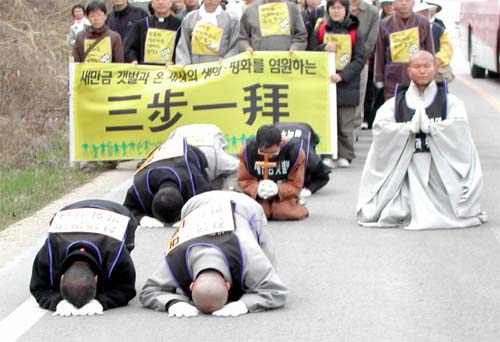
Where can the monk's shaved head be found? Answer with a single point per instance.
(422, 69)
(422, 54)
(209, 291)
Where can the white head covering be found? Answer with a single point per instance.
(423, 6)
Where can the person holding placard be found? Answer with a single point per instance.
(339, 34)
(154, 38)
(208, 34)
(399, 37)
(218, 262)
(272, 26)
(97, 43)
(84, 266)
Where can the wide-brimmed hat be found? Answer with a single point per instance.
(438, 6)
(423, 6)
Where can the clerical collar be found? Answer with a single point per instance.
(162, 19)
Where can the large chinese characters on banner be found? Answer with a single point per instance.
(121, 111)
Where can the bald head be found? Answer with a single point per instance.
(209, 291)
(422, 69)
(422, 54)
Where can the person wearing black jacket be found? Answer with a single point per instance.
(123, 17)
(164, 182)
(153, 39)
(84, 266)
(340, 34)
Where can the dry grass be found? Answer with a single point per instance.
(34, 53)
(33, 76)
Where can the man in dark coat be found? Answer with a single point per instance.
(171, 175)
(84, 266)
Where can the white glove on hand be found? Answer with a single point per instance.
(379, 85)
(415, 122)
(425, 122)
(305, 192)
(182, 309)
(91, 308)
(232, 309)
(272, 188)
(150, 222)
(65, 309)
(267, 188)
(262, 189)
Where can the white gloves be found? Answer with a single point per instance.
(305, 192)
(232, 309)
(150, 222)
(379, 85)
(91, 308)
(65, 309)
(182, 309)
(267, 188)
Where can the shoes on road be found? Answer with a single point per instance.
(342, 162)
(329, 162)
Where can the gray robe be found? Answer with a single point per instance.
(210, 140)
(251, 35)
(263, 287)
(228, 46)
(431, 190)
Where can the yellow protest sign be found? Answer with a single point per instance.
(211, 219)
(344, 48)
(100, 53)
(121, 111)
(274, 19)
(206, 39)
(159, 47)
(404, 44)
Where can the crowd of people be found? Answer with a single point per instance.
(422, 170)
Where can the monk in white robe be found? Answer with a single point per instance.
(423, 169)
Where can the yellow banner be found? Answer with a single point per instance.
(344, 49)
(274, 19)
(100, 53)
(404, 44)
(121, 111)
(206, 39)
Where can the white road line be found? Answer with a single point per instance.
(20, 320)
(29, 313)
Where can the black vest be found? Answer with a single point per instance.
(188, 173)
(436, 111)
(226, 243)
(103, 249)
(286, 160)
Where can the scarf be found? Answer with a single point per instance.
(210, 18)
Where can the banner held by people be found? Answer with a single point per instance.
(122, 111)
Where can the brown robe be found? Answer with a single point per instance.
(284, 205)
(387, 71)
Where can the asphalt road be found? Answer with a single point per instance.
(346, 283)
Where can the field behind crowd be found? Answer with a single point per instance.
(34, 53)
